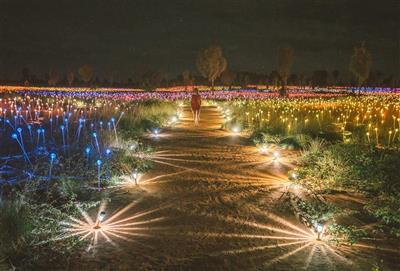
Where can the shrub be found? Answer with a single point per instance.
(386, 208)
(347, 234)
(349, 166)
(15, 228)
(359, 168)
(318, 211)
(145, 115)
(297, 142)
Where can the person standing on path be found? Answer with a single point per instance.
(196, 104)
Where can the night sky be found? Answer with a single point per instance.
(131, 36)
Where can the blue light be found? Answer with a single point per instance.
(53, 156)
(14, 136)
(87, 150)
(156, 131)
(108, 152)
(94, 134)
(62, 127)
(98, 162)
(19, 130)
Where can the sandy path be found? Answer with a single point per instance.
(211, 203)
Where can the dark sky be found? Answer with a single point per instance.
(131, 36)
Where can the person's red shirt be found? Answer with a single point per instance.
(196, 102)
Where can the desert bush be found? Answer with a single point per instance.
(344, 234)
(358, 168)
(145, 115)
(296, 142)
(348, 166)
(386, 207)
(14, 228)
(318, 211)
(31, 230)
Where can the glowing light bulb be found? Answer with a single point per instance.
(319, 228)
(235, 129)
(53, 156)
(132, 147)
(155, 132)
(264, 149)
(102, 216)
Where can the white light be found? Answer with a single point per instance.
(102, 215)
(276, 155)
(263, 148)
(132, 147)
(174, 119)
(320, 229)
(294, 175)
(156, 132)
(235, 129)
(136, 176)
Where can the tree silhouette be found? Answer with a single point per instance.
(151, 80)
(227, 78)
(26, 75)
(335, 75)
(285, 61)
(273, 78)
(86, 73)
(301, 80)
(211, 63)
(320, 78)
(186, 80)
(54, 77)
(360, 64)
(70, 78)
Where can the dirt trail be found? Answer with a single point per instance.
(211, 203)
